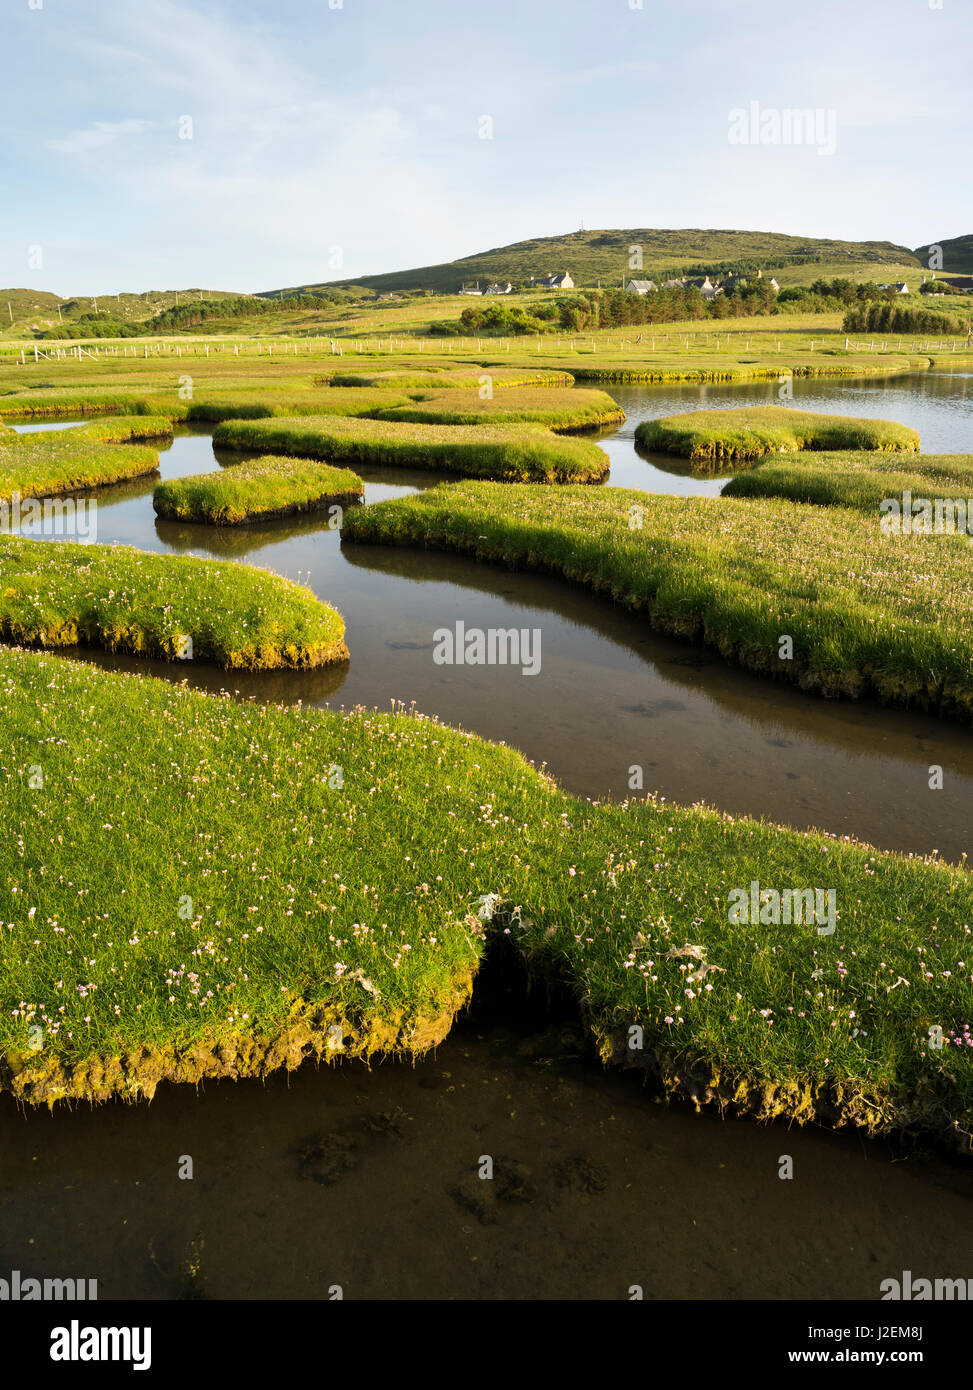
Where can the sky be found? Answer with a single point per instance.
(253, 144)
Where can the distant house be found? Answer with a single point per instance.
(675, 284)
(900, 287)
(557, 282)
(470, 289)
(706, 287)
(499, 289)
(641, 286)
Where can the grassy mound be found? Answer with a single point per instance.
(50, 463)
(465, 379)
(866, 613)
(562, 411)
(116, 429)
(74, 400)
(715, 435)
(397, 846)
(266, 405)
(266, 487)
(859, 480)
(208, 405)
(506, 453)
(132, 601)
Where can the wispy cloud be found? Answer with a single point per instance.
(98, 134)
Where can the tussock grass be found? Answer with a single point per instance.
(234, 952)
(118, 429)
(561, 411)
(59, 595)
(468, 379)
(51, 463)
(867, 614)
(712, 436)
(268, 405)
(74, 400)
(527, 453)
(859, 480)
(207, 405)
(266, 487)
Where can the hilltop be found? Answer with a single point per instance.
(593, 256)
(957, 253)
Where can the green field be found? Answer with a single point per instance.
(266, 487)
(169, 606)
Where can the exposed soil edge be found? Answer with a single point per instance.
(832, 1105)
(35, 1080)
(317, 504)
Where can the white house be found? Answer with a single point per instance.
(641, 286)
(499, 289)
(557, 282)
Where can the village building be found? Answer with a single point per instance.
(499, 289)
(641, 286)
(556, 282)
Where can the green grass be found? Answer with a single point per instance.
(562, 411)
(445, 378)
(116, 429)
(859, 480)
(50, 463)
(63, 594)
(527, 453)
(714, 436)
(867, 614)
(266, 487)
(206, 405)
(236, 951)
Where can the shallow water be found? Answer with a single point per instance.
(367, 1179)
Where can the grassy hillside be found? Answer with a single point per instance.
(591, 256)
(23, 311)
(957, 253)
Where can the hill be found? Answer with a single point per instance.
(22, 311)
(957, 253)
(593, 256)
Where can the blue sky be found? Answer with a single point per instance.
(359, 127)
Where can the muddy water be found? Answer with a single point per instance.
(369, 1179)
